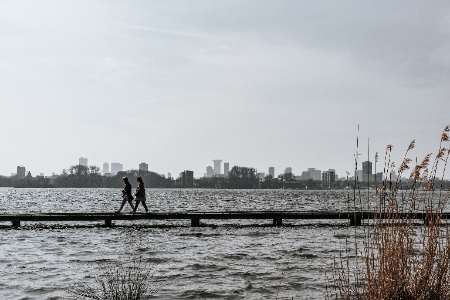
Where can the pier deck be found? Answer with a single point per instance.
(195, 217)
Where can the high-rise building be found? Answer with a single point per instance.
(328, 177)
(393, 176)
(83, 161)
(115, 168)
(143, 167)
(261, 175)
(288, 170)
(209, 171)
(359, 175)
(20, 172)
(226, 169)
(187, 178)
(105, 168)
(272, 172)
(366, 171)
(311, 173)
(217, 166)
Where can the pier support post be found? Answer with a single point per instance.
(277, 222)
(355, 221)
(108, 223)
(195, 222)
(15, 224)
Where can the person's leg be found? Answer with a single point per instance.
(136, 206)
(145, 206)
(131, 204)
(123, 204)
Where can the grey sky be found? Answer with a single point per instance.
(255, 83)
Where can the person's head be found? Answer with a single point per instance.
(139, 179)
(125, 179)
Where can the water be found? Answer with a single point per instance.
(225, 259)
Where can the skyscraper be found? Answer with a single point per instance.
(209, 171)
(328, 177)
(143, 167)
(20, 172)
(366, 171)
(115, 168)
(288, 170)
(105, 168)
(83, 161)
(226, 169)
(272, 172)
(187, 178)
(217, 166)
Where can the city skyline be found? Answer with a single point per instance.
(364, 173)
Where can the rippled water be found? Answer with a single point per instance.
(224, 259)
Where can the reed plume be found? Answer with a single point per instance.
(399, 260)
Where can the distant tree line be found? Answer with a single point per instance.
(79, 176)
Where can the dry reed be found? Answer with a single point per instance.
(130, 279)
(398, 260)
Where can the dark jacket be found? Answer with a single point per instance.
(140, 191)
(127, 190)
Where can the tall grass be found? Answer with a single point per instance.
(397, 259)
(130, 279)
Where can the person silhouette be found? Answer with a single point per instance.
(126, 194)
(140, 195)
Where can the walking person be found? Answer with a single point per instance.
(140, 195)
(126, 194)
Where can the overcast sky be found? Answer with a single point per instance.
(177, 84)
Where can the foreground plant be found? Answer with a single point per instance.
(128, 280)
(398, 260)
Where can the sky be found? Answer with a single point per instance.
(177, 84)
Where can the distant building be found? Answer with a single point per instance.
(288, 170)
(209, 171)
(359, 175)
(41, 174)
(83, 161)
(13, 174)
(217, 166)
(393, 176)
(187, 178)
(115, 168)
(261, 175)
(143, 167)
(272, 172)
(366, 171)
(20, 172)
(312, 174)
(328, 177)
(226, 169)
(363, 178)
(105, 168)
(107, 174)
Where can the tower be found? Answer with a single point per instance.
(272, 172)
(83, 161)
(217, 166)
(20, 172)
(105, 168)
(115, 168)
(143, 167)
(226, 169)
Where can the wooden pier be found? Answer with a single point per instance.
(276, 216)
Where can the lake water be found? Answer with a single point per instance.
(231, 259)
